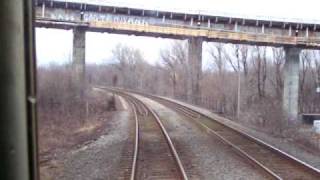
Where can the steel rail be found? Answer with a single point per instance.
(283, 156)
(136, 138)
(169, 141)
(234, 147)
(136, 145)
(163, 130)
(281, 153)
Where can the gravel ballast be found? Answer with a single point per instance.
(202, 154)
(283, 144)
(100, 158)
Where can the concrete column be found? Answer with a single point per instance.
(78, 55)
(195, 68)
(291, 84)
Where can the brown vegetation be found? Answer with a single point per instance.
(256, 70)
(66, 120)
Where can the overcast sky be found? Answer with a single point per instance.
(56, 45)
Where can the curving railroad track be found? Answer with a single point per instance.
(154, 155)
(276, 163)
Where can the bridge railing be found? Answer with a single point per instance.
(194, 30)
(174, 29)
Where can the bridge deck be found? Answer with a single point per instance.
(183, 32)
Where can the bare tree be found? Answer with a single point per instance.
(278, 62)
(260, 66)
(130, 63)
(316, 62)
(233, 58)
(174, 60)
(309, 81)
(169, 63)
(217, 53)
(244, 49)
(305, 62)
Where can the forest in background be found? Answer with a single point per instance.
(258, 71)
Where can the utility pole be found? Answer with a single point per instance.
(239, 84)
(238, 93)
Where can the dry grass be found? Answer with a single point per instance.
(62, 130)
(67, 120)
(87, 128)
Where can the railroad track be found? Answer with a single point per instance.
(154, 155)
(272, 161)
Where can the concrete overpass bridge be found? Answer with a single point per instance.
(196, 27)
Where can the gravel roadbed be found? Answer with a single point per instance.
(100, 158)
(280, 143)
(202, 154)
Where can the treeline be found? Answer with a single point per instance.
(255, 72)
(258, 71)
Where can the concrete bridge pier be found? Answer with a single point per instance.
(291, 84)
(78, 57)
(194, 68)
